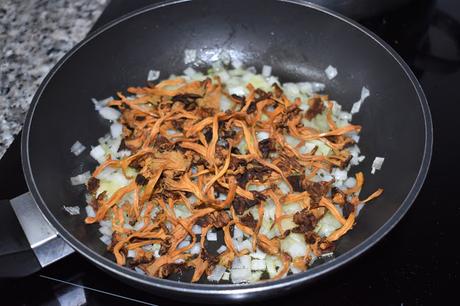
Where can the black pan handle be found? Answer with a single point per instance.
(27, 241)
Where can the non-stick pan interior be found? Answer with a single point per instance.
(298, 42)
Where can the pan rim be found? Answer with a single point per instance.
(235, 290)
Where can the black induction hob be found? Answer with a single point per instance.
(417, 263)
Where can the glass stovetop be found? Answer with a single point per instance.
(414, 264)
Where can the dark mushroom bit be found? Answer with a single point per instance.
(249, 171)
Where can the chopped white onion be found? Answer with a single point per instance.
(109, 113)
(196, 229)
(331, 72)
(196, 249)
(217, 273)
(98, 153)
(80, 179)
(266, 71)
(243, 245)
(258, 264)
(262, 135)
(90, 211)
(357, 105)
(327, 225)
(225, 104)
(131, 254)
(105, 223)
(72, 210)
(77, 148)
(211, 236)
(294, 244)
(139, 225)
(139, 270)
(106, 239)
(240, 275)
(242, 262)
(284, 187)
(190, 72)
(153, 75)
(116, 130)
(339, 174)
(258, 254)
(377, 164)
(237, 233)
(98, 104)
(106, 231)
(226, 276)
(183, 244)
(189, 56)
(221, 249)
(350, 182)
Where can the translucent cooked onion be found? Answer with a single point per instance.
(77, 148)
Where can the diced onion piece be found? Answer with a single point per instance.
(262, 135)
(196, 229)
(350, 182)
(339, 174)
(294, 244)
(266, 71)
(211, 236)
(98, 104)
(226, 276)
(331, 72)
(131, 254)
(377, 164)
(237, 233)
(80, 179)
(255, 276)
(292, 141)
(72, 210)
(183, 244)
(196, 249)
(90, 211)
(189, 56)
(327, 225)
(225, 104)
(77, 148)
(109, 113)
(283, 187)
(104, 230)
(243, 245)
(153, 75)
(242, 262)
(106, 239)
(221, 249)
(116, 130)
(240, 275)
(273, 264)
(258, 254)
(357, 105)
(138, 225)
(105, 223)
(217, 273)
(139, 270)
(258, 264)
(98, 154)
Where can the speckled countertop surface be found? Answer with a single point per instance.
(34, 35)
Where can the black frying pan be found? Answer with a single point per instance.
(299, 40)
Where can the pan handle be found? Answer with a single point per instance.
(27, 241)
